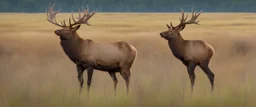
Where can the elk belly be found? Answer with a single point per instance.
(104, 62)
(99, 65)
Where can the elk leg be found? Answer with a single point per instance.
(126, 75)
(113, 76)
(80, 71)
(191, 71)
(89, 79)
(209, 73)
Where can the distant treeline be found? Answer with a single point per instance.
(130, 5)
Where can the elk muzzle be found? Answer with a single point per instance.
(57, 32)
(162, 34)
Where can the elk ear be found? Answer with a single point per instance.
(75, 28)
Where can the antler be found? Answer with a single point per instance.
(193, 18)
(51, 16)
(183, 19)
(82, 19)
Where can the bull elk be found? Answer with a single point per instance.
(87, 54)
(190, 52)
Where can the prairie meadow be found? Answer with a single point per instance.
(35, 72)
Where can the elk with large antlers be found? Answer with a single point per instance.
(190, 52)
(87, 54)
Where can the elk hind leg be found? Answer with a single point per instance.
(89, 79)
(209, 73)
(126, 75)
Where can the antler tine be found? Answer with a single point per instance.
(192, 11)
(79, 13)
(64, 22)
(186, 17)
(195, 15)
(61, 22)
(171, 24)
(85, 14)
(47, 10)
(55, 20)
(73, 18)
(83, 19)
(198, 13)
(69, 20)
(183, 19)
(90, 15)
(87, 8)
(83, 10)
(51, 15)
(182, 14)
(54, 12)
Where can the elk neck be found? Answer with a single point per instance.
(177, 46)
(73, 47)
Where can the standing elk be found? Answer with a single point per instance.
(190, 52)
(111, 57)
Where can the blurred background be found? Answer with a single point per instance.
(131, 5)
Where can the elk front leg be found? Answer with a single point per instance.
(113, 76)
(126, 75)
(80, 71)
(191, 68)
(89, 79)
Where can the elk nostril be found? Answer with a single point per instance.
(56, 32)
(161, 34)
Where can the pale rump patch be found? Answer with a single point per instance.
(198, 51)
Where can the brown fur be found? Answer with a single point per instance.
(87, 54)
(190, 52)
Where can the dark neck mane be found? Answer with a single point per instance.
(73, 47)
(177, 45)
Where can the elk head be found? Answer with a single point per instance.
(68, 31)
(174, 32)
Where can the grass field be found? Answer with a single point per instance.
(34, 71)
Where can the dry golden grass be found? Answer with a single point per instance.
(34, 71)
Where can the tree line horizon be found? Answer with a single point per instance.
(38, 6)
